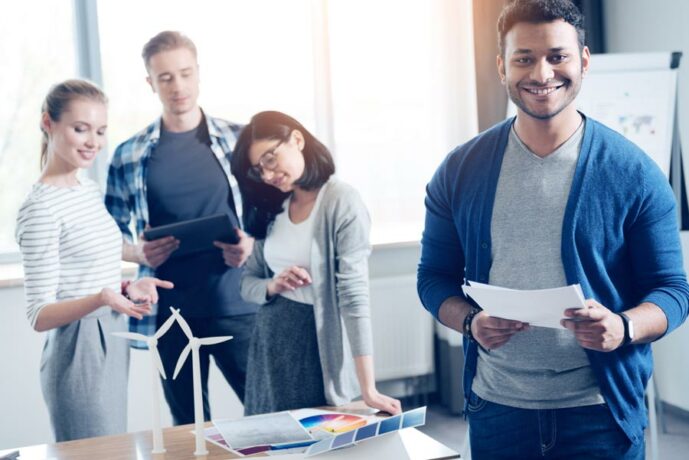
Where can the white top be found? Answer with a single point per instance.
(289, 244)
(71, 247)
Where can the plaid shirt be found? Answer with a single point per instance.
(126, 191)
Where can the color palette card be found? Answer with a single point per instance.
(409, 419)
(332, 423)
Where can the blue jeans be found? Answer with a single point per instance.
(588, 432)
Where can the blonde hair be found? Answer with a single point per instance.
(166, 41)
(57, 102)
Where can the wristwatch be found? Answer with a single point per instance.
(628, 328)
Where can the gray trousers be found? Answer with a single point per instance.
(84, 374)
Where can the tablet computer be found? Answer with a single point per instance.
(197, 235)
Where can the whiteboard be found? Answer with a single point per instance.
(634, 94)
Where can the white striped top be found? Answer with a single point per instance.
(71, 247)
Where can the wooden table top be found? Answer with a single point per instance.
(179, 443)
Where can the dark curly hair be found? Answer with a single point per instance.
(539, 11)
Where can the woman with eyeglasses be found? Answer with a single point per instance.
(312, 345)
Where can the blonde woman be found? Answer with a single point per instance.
(71, 252)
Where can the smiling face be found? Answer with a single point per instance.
(543, 68)
(76, 138)
(174, 76)
(281, 162)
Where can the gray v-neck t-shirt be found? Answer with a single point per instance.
(542, 368)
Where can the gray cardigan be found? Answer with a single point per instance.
(339, 270)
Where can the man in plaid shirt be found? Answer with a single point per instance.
(176, 169)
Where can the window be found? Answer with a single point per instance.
(395, 76)
(387, 96)
(37, 50)
(249, 60)
(387, 85)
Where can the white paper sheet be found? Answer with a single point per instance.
(540, 307)
(257, 430)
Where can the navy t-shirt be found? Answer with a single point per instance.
(185, 181)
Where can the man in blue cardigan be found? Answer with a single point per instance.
(546, 199)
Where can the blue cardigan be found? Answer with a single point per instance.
(620, 241)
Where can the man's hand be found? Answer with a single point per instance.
(236, 255)
(155, 253)
(595, 327)
(144, 290)
(492, 333)
(290, 279)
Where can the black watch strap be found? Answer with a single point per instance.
(627, 330)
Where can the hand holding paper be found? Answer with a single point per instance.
(540, 307)
(492, 332)
(596, 327)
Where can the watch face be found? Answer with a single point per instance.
(630, 328)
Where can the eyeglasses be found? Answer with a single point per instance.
(267, 162)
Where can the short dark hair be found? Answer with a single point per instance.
(271, 125)
(539, 11)
(166, 41)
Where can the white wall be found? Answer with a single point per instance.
(659, 25)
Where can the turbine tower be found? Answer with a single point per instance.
(193, 346)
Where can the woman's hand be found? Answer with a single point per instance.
(290, 279)
(121, 304)
(144, 290)
(379, 401)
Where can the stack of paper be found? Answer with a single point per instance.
(540, 307)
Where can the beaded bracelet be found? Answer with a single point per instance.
(466, 325)
(123, 288)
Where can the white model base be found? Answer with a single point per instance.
(389, 446)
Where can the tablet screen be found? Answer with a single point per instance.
(197, 235)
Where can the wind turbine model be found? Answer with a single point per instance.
(156, 366)
(193, 346)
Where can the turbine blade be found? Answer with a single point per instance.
(159, 362)
(164, 328)
(182, 323)
(214, 340)
(131, 336)
(180, 361)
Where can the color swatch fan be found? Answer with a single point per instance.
(324, 425)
